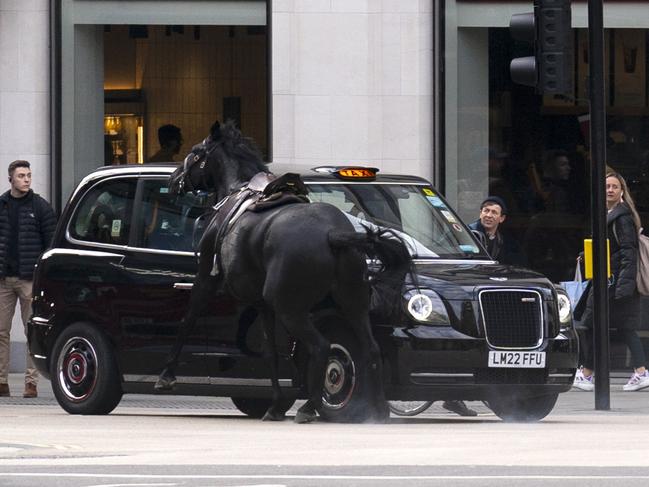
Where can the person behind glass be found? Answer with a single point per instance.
(554, 188)
(493, 212)
(623, 224)
(171, 140)
(27, 224)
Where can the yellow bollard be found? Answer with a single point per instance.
(588, 258)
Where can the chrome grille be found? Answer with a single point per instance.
(512, 318)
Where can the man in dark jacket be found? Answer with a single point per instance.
(493, 212)
(27, 224)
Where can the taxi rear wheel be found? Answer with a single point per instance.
(85, 378)
(523, 409)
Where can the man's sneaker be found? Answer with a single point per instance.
(582, 382)
(637, 382)
(459, 407)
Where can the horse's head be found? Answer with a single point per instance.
(221, 163)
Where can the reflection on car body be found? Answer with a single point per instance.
(110, 293)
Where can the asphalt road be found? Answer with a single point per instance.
(176, 441)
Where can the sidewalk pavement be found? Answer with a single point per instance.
(572, 402)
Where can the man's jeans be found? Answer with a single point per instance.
(12, 289)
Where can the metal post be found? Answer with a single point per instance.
(56, 199)
(598, 202)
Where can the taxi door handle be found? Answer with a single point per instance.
(183, 285)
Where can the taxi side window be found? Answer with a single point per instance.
(104, 215)
(166, 222)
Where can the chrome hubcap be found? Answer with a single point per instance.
(340, 378)
(77, 369)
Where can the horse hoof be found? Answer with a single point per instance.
(272, 416)
(382, 413)
(164, 384)
(302, 417)
(382, 417)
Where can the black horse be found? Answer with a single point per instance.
(285, 261)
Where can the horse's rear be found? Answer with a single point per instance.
(285, 253)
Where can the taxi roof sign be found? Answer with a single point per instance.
(358, 173)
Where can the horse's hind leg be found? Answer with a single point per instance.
(276, 412)
(357, 315)
(300, 327)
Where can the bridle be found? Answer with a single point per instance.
(199, 154)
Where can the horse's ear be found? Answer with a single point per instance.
(215, 131)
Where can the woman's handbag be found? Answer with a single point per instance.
(575, 288)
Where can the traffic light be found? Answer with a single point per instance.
(550, 69)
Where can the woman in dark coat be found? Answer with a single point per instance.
(623, 225)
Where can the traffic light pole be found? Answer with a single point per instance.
(598, 203)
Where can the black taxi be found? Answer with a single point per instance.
(111, 291)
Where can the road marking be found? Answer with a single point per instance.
(8, 444)
(325, 477)
(131, 485)
(9, 449)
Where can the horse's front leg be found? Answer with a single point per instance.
(276, 412)
(201, 293)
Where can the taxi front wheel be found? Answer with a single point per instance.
(85, 379)
(522, 409)
(345, 396)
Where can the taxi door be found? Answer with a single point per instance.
(161, 266)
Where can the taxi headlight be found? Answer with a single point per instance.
(427, 307)
(563, 304)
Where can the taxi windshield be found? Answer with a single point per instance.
(433, 230)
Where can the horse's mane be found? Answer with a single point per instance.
(237, 147)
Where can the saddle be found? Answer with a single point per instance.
(263, 192)
(277, 191)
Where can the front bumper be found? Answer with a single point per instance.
(435, 363)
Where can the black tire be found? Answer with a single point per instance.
(85, 379)
(256, 407)
(525, 410)
(344, 396)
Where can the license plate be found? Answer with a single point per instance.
(521, 360)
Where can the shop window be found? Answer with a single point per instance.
(166, 85)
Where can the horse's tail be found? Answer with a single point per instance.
(391, 250)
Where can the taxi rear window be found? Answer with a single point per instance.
(104, 214)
